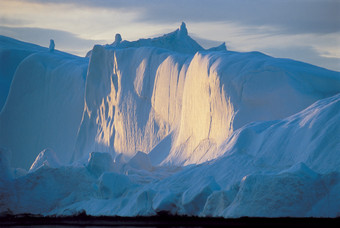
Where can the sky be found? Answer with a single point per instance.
(304, 30)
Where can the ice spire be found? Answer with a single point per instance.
(52, 45)
(118, 38)
(183, 30)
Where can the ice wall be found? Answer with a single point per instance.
(130, 105)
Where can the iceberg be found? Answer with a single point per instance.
(162, 125)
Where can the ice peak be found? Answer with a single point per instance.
(183, 30)
(52, 45)
(221, 47)
(118, 38)
(178, 41)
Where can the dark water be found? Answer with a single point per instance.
(22, 221)
(74, 226)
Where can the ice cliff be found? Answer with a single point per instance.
(162, 124)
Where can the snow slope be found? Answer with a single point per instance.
(44, 107)
(12, 52)
(162, 125)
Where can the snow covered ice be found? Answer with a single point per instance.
(164, 125)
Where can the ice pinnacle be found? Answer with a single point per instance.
(118, 38)
(52, 45)
(183, 30)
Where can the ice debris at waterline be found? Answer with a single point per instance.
(163, 125)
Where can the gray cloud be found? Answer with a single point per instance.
(284, 17)
(305, 54)
(206, 43)
(11, 21)
(289, 16)
(65, 41)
